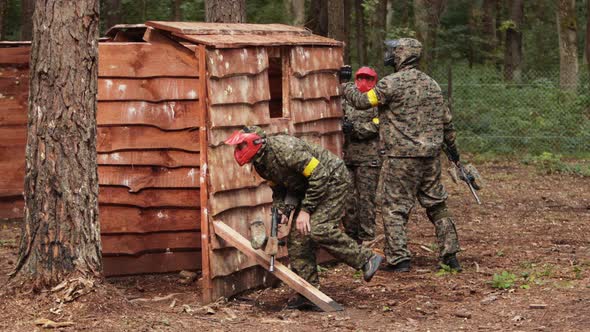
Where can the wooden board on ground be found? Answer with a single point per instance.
(281, 271)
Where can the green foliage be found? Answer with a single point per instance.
(445, 270)
(549, 163)
(502, 118)
(503, 280)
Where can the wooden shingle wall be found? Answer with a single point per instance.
(239, 94)
(148, 157)
(14, 88)
(148, 153)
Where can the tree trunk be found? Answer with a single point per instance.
(378, 35)
(567, 29)
(336, 19)
(225, 11)
(513, 48)
(488, 23)
(26, 25)
(389, 21)
(113, 13)
(296, 10)
(360, 32)
(177, 12)
(347, 39)
(61, 234)
(317, 17)
(3, 8)
(427, 14)
(588, 35)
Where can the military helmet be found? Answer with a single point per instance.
(403, 52)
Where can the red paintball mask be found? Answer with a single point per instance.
(365, 79)
(247, 145)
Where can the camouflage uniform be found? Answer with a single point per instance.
(320, 180)
(414, 122)
(363, 162)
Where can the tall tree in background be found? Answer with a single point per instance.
(567, 28)
(488, 22)
(176, 10)
(513, 48)
(378, 35)
(113, 13)
(336, 24)
(360, 32)
(3, 8)
(61, 234)
(296, 10)
(26, 27)
(227, 11)
(588, 34)
(427, 14)
(347, 27)
(317, 17)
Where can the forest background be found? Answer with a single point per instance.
(515, 72)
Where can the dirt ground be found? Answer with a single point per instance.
(534, 227)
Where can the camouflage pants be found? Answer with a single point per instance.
(402, 180)
(325, 232)
(359, 221)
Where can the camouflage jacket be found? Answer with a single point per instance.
(414, 119)
(297, 167)
(362, 144)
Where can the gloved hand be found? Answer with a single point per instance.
(345, 73)
(347, 126)
(453, 153)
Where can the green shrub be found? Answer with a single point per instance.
(503, 280)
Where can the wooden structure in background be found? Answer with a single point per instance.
(165, 105)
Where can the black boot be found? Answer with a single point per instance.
(403, 266)
(300, 302)
(371, 267)
(452, 262)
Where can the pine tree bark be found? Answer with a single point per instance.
(27, 10)
(489, 27)
(347, 27)
(567, 28)
(317, 17)
(427, 14)
(177, 12)
(3, 8)
(336, 24)
(513, 48)
(296, 10)
(225, 11)
(360, 32)
(61, 234)
(113, 13)
(588, 34)
(380, 28)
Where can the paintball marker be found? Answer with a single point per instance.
(467, 176)
(272, 247)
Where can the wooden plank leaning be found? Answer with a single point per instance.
(281, 271)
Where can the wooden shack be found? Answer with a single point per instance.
(166, 102)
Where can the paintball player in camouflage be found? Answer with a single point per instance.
(320, 181)
(414, 124)
(361, 140)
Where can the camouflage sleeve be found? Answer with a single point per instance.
(448, 128)
(382, 94)
(317, 175)
(366, 130)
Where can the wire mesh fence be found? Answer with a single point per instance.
(532, 115)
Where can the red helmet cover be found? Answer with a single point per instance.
(365, 79)
(244, 153)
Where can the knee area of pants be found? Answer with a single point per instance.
(438, 211)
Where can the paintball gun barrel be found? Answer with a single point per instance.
(468, 178)
(273, 241)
